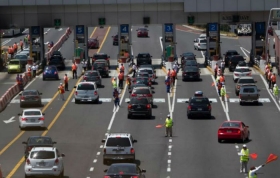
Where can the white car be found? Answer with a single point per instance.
(31, 118)
(200, 44)
(202, 36)
(44, 161)
(241, 71)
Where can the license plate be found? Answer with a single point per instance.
(89, 100)
(41, 164)
(191, 76)
(199, 109)
(85, 96)
(140, 95)
(32, 120)
(229, 131)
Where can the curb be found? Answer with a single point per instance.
(211, 70)
(258, 69)
(164, 69)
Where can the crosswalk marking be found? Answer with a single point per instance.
(155, 100)
(183, 100)
(103, 100)
(261, 100)
(44, 100)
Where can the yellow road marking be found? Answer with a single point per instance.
(58, 114)
(210, 70)
(91, 35)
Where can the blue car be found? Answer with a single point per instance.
(50, 72)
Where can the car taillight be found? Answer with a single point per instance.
(95, 92)
(149, 95)
(209, 107)
(56, 161)
(133, 94)
(129, 106)
(22, 98)
(148, 106)
(55, 72)
(238, 131)
(236, 74)
(41, 119)
(220, 131)
(23, 119)
(28, 161)
(106, 176)
(132, 151)
(104, 150)
(85, 78)
(76, 93)
(134, 177)
(185, 73)
(189, 107)
(249, 74)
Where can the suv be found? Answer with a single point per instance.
(143, 58)
(57, 61)
(86, 92)
(199, 105)
(104, 56)
(118, 146)
(44, 161)
(243, 81)
(248, 93)
(228, 54)
(102, 66)
(139, 107)
(144, 92)
(234, 61)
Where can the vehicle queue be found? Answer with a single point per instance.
(140, 104)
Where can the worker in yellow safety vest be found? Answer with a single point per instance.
(253, 171)
(244, 158)
(168, 126)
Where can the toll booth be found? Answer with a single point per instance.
(168, 43)
(258, 39)
(36, 43)
(213, 40)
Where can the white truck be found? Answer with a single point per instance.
(243, 29)
(12, 32)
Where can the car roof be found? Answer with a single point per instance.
(246, 78)
(141, 87)
(27, 90)
(51, 66)
(100, 54)
(15, 60)
(32, 110)
(242, 67)
(86, 83)
(91, 71)
(40, 137)
(43, 148)
(118, 134)
(123, 164)
(145, 68)
(199, 97)
(144, 53)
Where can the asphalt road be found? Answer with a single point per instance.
(192, 152)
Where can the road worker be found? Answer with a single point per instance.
(169, 73)
(84, 63)
(11, 51)
(269, 79)
(21, 44)
(253, 171)
(128, 82)
(25, 41)
(222, 65)
(168, 126)
(219, 87)
(114, 82)
(17, 79)
(121, 78)
(216, 70)
(219, 72)
(116, 97)
(122, 68)
(174, 76)
(61, 91)
(21, 87)
(244, 158)
(167, 83)
(65, 79)
(273, 79)
(29, 73)
(222, 79)
(15, 47)
(223, 93)
(34, 69)
(134, 68)
(276, 92)
(74, 70)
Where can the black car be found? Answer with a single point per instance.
(124, 170)
(228, 54)
(37, 141)
(191, 73)
(143, 80)
(104, 56)
(199, 106)
(143, 58)
(115, 40)
(101, 65)
(233, 62)
(57, 61)
(189, 55)
(189, 63)
(139, 106)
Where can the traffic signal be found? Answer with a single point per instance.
(191, 20)
(101, 21)
(146, 20)
(57, 23)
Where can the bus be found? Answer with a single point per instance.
(12, 32)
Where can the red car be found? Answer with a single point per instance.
(142, 32)
(93, 43)
(233, 130)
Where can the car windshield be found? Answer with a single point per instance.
(29, 93)
(188, 54)
(191, 62)
(199, 101)
(203, 41)
(191, 69)
(242, 70)
(231, 124)
(91, 74)
(42, 155)
(146, 70)
(85, 86)
(122, 142)
(142, 75)
(143, 55)
(246, 81)
(142, 80)
(55, 59)
(237, 59)
(50, 69)
(30, 113)
(14, 62)
(100, 56)
(99, 64)
(40, 140)
(143, 29)
(249, 90)
(139, 101)
(141, 91)
(21, 57)
(230, 53)
(124, 169)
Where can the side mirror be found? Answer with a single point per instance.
(24, 142)
(186, 101)
(62, 155)
(105, 170)
(75, 86)
(143, 170)
(103, 141)
(43, 113)
(19, 114)
(20, 94)
(53, 142)
(210, 101)
(134, 141)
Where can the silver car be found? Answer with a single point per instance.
(200, 44)
(241, 72)
(150, 71)
(30, 97)
(31, 118)
(86, 92)
(44, 161)
(93, 76)
(145, 92)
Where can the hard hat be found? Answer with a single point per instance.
(60, 83)
(275, 85)
(244, 146)
(114, 78)
(168, 115)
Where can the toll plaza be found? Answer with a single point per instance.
(213, 42)
(168, 44)
(80, 47)
(36, 45)
(124, 37)
(258, 39)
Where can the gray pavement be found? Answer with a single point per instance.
(192, 152)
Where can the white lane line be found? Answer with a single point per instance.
(91, 169)
(131, 50)
(243, 50)
(161, 43)
(95, 160)
(98, 153)
(169, 104)
(168, 161)
(271, 95)
(169, 153)
(174, 96)
(202, 54)
(170, 140)
(169, 169)
(101, 146)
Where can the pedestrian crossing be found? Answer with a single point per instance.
(230, 100)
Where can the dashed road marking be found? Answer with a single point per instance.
(91, 169)
(183, 100)
(44, 100)
(103, 100)
(95, 160)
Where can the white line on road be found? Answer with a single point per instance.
(91, 169)
(272, 97)
(243, 50)
(98, 153)
(95, 160)
(161, 43)
(169, 104)
(174, 96)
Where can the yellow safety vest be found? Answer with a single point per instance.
(114, 84)
(245, 155)
(223, 91)
(254, 176)
(168, 122)
(275, 90)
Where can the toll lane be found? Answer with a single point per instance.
(195, 149)
(263, 121)
(152, 147)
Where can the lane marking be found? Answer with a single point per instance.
(174, 96)
(49, 127)
(44, 100)
(243, 50)
(91, 35)
(183, 100)
(272, 97)
(95, 160)
(161, 43)
(91, 169)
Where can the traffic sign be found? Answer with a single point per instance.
(124, 28)
(260, 27)
(168, 28)
(80, 29)
(35, 31)
(213, 27)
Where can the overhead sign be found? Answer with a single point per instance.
(260, 27)
(213, 27)
(124, 28)
(168, 28)
(80, 29)
(35, 31)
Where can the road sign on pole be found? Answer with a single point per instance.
(124, 28)
(35, 31)
(80, 29)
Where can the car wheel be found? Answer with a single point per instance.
(256, 103)
(26, 176)
(209, 116)
(20, 105)
(76, 101)
(61, 175)
(189, 116)
(97, 101)
(128, 116)
(219, 140)
(236, 92)
(20, 127)
(241, 103)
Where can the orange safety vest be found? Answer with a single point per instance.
(128, 81)
(10, 50)
(122, 68)
(74, 67)
(273, 78)
(269, 75)
(15, 46)
(61, 89)
(21, 43)
(222, 79)
(173, 73)
(168, 73)
(121, 76)
(29, 72)
(65, 79)
(219, 86)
